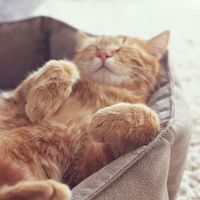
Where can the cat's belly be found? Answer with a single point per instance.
(74, 113)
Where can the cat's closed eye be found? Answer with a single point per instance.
(118, 49)
(93, 46)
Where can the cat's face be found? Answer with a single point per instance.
(120, 59)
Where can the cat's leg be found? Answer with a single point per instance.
(35, 190)
(46, 89)
(124, 126)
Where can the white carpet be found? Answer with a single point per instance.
(139, 18)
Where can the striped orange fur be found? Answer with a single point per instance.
(70, 118)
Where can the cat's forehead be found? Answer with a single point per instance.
(105, 41)
(114, 41)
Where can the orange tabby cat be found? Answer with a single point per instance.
(66, 121)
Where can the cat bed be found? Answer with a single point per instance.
(150, 172)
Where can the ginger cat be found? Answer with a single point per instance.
(68, 119)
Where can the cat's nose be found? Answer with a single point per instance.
(103, 54)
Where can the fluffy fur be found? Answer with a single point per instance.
(67, 120)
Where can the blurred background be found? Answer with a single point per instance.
(141, 18)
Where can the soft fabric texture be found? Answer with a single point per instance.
(150, 172)
(36, 41)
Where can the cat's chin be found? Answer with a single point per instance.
(104, 75)
(104, 69)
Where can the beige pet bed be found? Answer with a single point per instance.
(152, 172)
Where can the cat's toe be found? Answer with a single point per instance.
(60, 191)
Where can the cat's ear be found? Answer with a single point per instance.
(122, 39)
(158, 44)
(81, 36)
(82, 39)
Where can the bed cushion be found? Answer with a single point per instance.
(150, 172)
(27, 44)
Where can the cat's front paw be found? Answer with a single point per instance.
(52, 86)
(59, 69)
(124, 126)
